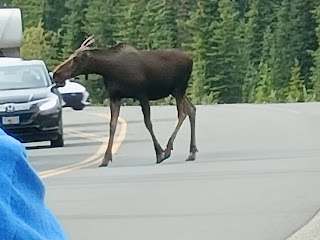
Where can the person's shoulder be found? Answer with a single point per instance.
(10, 147)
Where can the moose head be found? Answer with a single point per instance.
(75, 64)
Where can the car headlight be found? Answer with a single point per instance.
(52, 103)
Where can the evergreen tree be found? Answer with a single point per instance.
(72, 26)
(247, 51)
(54, 11)
(293, 39)
(265, 92)
(226, 66)
(32, 11)
(294, 92)
(265, 79)
(145, 25)
(251, 81)
(183, 10)
(5, 3)
(39, 44)
(201, 26)
(309, 40)
(262, 15)
(201, 92)
(100, 21)
(242, 6)
(168, 26)
(158, 27)
(128, 19)
(250, 27)
(315, 78)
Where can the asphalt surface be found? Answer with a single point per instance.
(256, 176)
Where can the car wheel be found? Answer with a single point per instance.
(59, 142)
(78, 107)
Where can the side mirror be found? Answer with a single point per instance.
(54, 89)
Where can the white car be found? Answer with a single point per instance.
(74, 95)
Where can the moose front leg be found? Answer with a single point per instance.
(146, 114)
(115, 110)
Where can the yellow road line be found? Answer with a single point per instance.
(97, 157)
(86, 135)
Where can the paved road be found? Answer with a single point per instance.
(257, 175)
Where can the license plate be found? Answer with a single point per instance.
(10, 120)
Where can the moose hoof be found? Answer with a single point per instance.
(191, 157)
(163, 156)
(104, 164)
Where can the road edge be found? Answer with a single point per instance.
(310, 231)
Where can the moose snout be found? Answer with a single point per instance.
(58, 80)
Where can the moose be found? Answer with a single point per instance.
(143, 75)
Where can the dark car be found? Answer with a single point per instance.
(30, 106)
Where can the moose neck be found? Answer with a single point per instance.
(99, 62)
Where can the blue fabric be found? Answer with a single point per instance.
(23, 213)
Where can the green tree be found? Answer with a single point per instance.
(128, 19)
(183, 10)
(167, 25)
(315, 70)
(265, 92)
(265, 77)
(295, 90)
(250, 82)
(32, 11)
(201, 25)
(158, 26)
(72, 26)
(242, 6)
(40, 44)
(250, 28)
(5, 3)
(54, 11)
(294, 37)
(261, 14)
(227, 64)
(248, 55)
(100, 21)
(200, 91)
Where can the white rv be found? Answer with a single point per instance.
(10, 32)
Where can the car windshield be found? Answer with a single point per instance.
(22, 77)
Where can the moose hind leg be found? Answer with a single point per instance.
(147, 120)
(181, 117)
(191, 112)
(115, 110)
